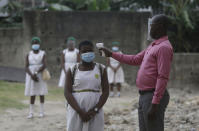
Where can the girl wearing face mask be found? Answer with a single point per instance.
(69, 58)
(115, 72)
(35, 85)
(86, 91)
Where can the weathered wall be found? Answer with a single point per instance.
(54, 27)
(130, 29)
(185, 70)
(12, 47)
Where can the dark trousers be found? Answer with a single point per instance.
(145, 102)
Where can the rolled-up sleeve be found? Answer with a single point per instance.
(164, 59)
(129, 59)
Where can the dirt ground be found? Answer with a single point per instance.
(120, 114)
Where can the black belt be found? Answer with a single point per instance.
(146, 91)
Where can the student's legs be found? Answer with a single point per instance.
(31, 110)
(32, 100)
(42, 98)
(111, 89)
(118, 89)
(111, 86)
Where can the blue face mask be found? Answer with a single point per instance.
(115, 48)
(35, 46)
(88, 57)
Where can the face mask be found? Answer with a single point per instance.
(88, 57)
(35, 46)
(115, 48)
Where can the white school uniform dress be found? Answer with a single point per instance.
(86, 80)
(113, 77)
(70, 60)
(33, 88)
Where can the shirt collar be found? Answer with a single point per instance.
(160, 40)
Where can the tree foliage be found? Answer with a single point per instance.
(93, 5)
(184, 22)
(15, 12)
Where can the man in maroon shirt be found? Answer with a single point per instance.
(153, 75)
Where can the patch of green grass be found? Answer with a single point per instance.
(12, 95)
(55, 94)
(6, 102)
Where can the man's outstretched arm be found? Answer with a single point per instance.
(129, 59)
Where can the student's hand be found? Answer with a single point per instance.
(35, 78)
(152, 112)
(84, 116)
(107, 52)
(91, 113)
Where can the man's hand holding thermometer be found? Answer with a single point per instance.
(103, 51)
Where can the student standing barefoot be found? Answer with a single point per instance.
(86, 91)
(35, 86)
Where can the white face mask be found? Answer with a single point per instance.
(35, 46)
(115, 48)
(149, 28)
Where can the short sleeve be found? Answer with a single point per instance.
(43, 52)
(64, 51)
(77, 50)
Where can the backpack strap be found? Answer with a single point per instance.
(73, 73)
(101, 69)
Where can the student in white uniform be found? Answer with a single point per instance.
(69, 58)
(34, 84)
(115, 72)
(86, 91)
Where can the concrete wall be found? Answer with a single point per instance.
(185, 70)
(130, 29)
(54, 27)
(12, 48)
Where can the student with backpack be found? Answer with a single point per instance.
(86, 91)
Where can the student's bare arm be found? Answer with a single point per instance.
(63, 62)
(27, 66)
(78, 57)
(44, 64)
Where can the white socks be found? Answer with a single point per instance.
(42, 108)
(41, 114)
(31, 111)
(31, 108)
(118, 94)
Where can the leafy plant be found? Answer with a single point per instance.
(15, 12)
(93, 5)
(181, 15)
(133, 5)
